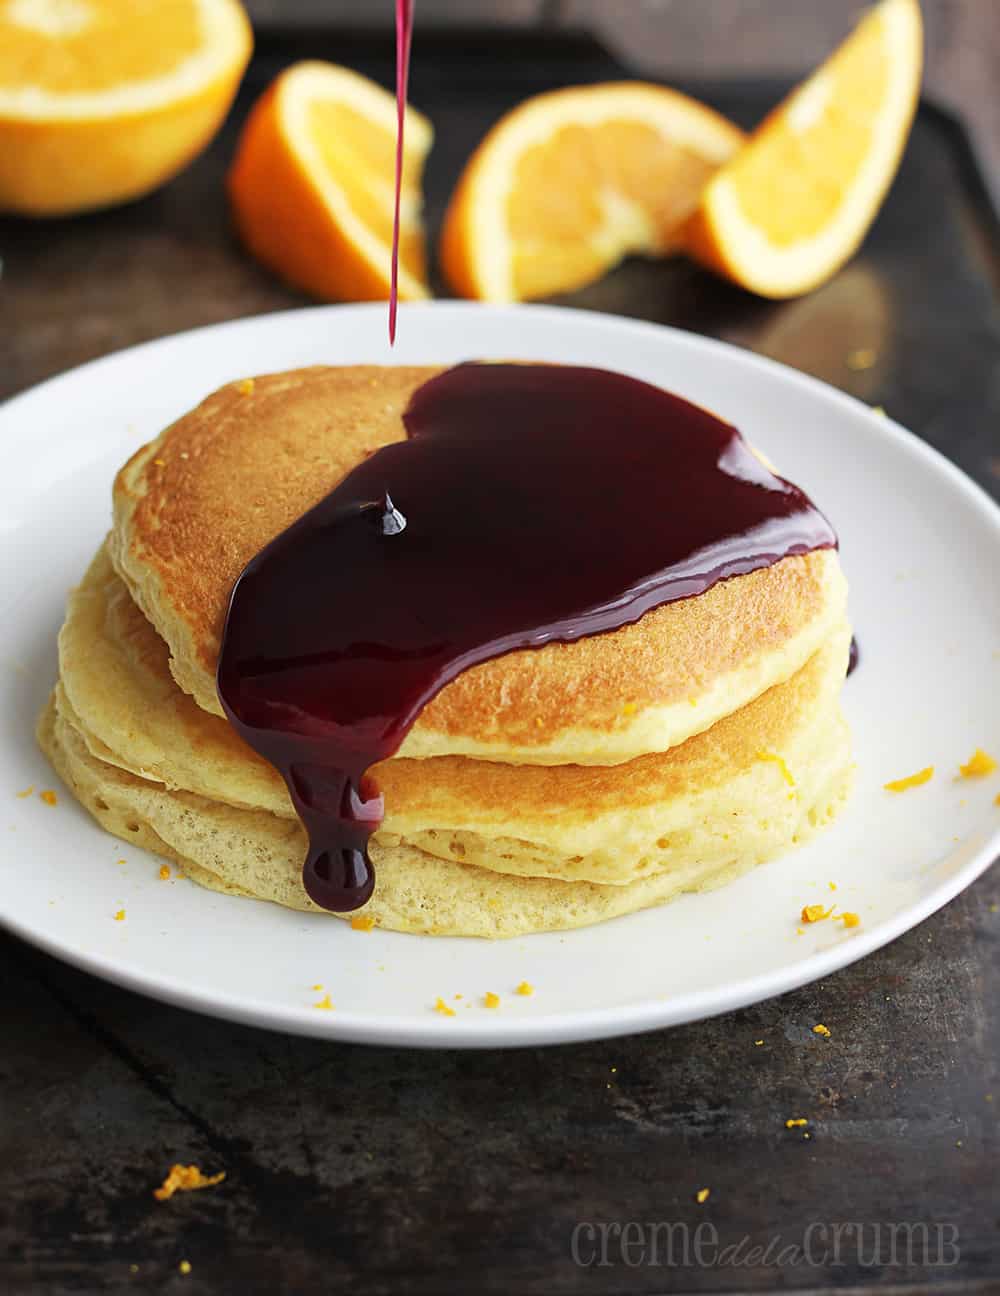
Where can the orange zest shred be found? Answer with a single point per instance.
(185, 1267)
(525, 988)
(978, 765)
(758, 1043)
(325, 1004)
(701, 1196)
(164, 873)
(832, 886)
(49, 797)
(781, 763)
(245, 386)
(491, 1000)
(120, 916)
(911, 781)
(820, 1029)
(815, 913)
(441, 1007)
(362, 922)
(26, 793)
(184, 1178)
(849, 919)
(794, 1122)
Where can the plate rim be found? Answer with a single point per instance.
(555, 1028)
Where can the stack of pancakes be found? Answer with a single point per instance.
(548, 788)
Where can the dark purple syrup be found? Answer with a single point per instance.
(530, 503)
(854, 656)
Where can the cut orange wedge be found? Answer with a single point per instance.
(103, 100)
(571, 181)
(796, 202)
(312, 185)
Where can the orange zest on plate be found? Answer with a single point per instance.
(978, 765)
(911, 781)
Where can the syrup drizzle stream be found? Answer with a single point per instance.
(404, 38)
(529, 504)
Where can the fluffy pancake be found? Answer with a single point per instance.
(720, 795)
(113, 667)
(544, 790)
(253, 853)
(195, 505)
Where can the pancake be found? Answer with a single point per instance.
(719, 795)
(194, 506)
(113, 667)
(543, 790)
(253, 853)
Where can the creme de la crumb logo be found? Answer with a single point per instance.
(669, 1244)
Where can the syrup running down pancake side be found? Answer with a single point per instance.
(529, 504)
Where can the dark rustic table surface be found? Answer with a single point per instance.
(532, 1171)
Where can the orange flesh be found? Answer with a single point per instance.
(791, 182)
(360, 156)
(99, 46)
(566, 190)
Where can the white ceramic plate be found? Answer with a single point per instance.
(921, 546)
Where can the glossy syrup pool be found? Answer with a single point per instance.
(529, 503)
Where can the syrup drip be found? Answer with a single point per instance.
(529, 504)
(404, 38)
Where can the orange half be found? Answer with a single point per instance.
(102, 100)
